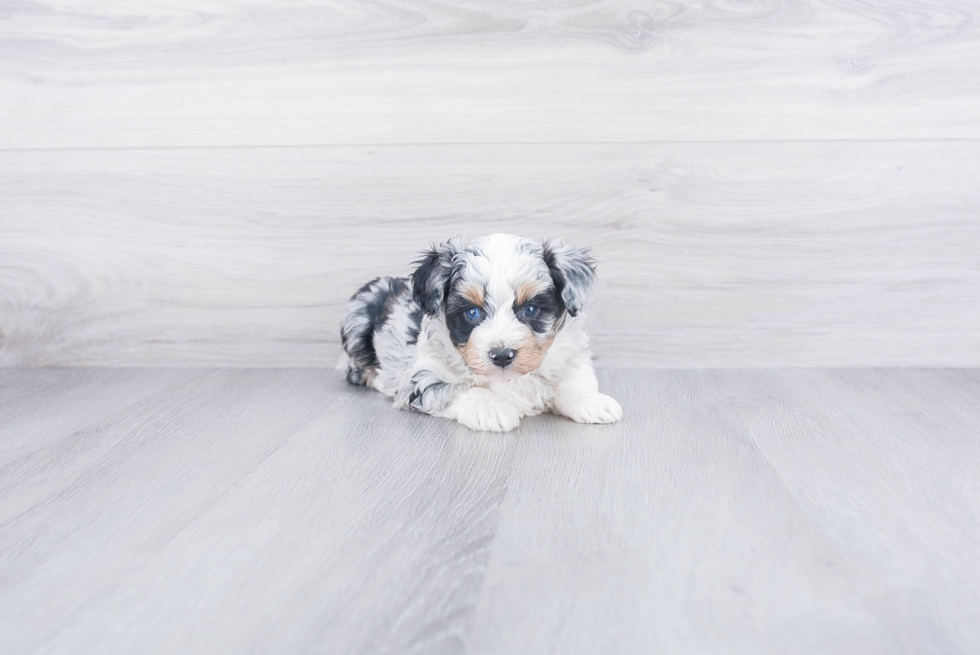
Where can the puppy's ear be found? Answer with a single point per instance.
(431, 277)
(573, 272)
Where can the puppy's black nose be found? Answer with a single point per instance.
(502, 356)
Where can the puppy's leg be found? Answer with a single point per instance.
(478, 408)
(577, 397)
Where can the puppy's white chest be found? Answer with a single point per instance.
(531, 393)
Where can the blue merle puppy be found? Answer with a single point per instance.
(484, 333)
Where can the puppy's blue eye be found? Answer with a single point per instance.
(530, 311)
(473, 314)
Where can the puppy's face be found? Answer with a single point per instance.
(503, 298)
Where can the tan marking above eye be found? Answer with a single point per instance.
(473, 293)
(527, 290)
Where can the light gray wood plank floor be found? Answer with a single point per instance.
(795, 510)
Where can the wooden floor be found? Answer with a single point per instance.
(209, 511)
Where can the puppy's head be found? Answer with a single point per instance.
(503, 298)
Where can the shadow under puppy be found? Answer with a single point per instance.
(484, 333)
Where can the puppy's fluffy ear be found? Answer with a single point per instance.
(431, 277)
(573, 272)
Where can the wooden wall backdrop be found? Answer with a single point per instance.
(764, 183)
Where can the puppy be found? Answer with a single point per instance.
(483, 333)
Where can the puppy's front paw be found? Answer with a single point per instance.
(594, 408)
(478, 409)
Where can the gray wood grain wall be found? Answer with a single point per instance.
(762, 183)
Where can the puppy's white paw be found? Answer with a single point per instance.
(594, 408)
(479, 409)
